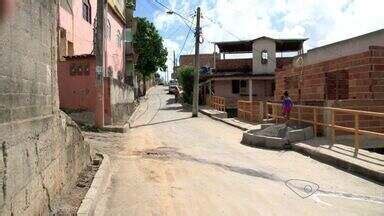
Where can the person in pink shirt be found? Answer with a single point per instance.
(287, 106)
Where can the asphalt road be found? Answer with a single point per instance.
(171, 164)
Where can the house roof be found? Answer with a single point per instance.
(245, 46)
(83, 56)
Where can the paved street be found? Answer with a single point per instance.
(171, 164)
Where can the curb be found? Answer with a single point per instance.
(117, 129)
(98, 186)
(221, 120)
(341, 164)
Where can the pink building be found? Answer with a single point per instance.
(76, 24)
(76, 67)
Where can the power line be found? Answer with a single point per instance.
(170, 11)
(186, 38)
(221, 26)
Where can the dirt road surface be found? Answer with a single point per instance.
(171, 164)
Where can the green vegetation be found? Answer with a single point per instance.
(185, 77)
(148, 45)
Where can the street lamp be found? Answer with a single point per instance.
(185, 20)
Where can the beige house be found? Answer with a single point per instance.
(250, 76)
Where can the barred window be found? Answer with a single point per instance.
(87, 11)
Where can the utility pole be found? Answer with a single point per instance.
(174, 63)
(100, 62)
(195, 104)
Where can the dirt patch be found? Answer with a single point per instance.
(69, 203)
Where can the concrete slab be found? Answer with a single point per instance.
(117, 128)
(296, 135)
(212, 112)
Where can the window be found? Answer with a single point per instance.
(264, 57)
(235, 86)
(87, 11)
(243, 83)
(108, 29)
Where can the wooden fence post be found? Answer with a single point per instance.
(275, 109)
(315, 121)
(261, 111)
(333, 134)
(357, 141)
(299, 114)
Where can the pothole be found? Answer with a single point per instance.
(163, 153)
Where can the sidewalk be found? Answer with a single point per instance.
(367, 164)
(222, 116)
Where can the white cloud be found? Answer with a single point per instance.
(171, 46)
(322, 21)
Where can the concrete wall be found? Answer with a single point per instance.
(258, 46)
(121, 101)
(344, 48)
(42, 150)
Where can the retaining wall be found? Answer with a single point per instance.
(42, 150)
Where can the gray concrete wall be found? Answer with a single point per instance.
(258, 46)
(42, 150)
(122, 101)
(344, 48)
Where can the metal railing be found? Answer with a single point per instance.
(332, 124)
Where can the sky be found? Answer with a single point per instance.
(321, 21)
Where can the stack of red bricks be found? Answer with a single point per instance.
(234, 65)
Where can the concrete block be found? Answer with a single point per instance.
(296, 135)
(275, 142)
(308, 133)
(263, 126)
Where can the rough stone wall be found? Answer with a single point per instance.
(122, 101)
(42, 150)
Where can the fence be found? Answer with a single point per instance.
(217, 103)
(252, 111)
(331, 112)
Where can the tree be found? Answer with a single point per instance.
(148, 45)
(185, 77)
